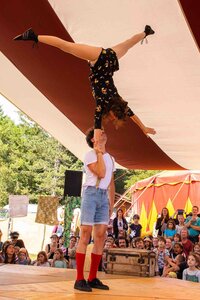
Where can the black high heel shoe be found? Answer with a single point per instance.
(148, 30)
(28, 35)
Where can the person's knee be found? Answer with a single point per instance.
(100, 235)
(85, 236)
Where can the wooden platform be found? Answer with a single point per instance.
(27, 282)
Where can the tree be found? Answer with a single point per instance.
(31, 161)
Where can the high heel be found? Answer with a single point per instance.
(148, 30)
(28, 35)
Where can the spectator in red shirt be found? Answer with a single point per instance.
(187, 244)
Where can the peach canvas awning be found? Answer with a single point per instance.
(160, 80)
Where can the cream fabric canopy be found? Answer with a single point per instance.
(160, 80)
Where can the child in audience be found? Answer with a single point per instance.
(197, 248)
(135, 228)
(176, 238)
(42, 260)
(170, 231)
(17, 248)
(139, 243)
(161, 255)
(192, 273)
(176, 250)
(8, 253)
(23, 258)
(155, 242)
(147, 243)
(172, 266)
(58, 260)
(180, 225)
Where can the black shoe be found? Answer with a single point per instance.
(148, 30)
(97, 284)
(28, 35)
(82, 285)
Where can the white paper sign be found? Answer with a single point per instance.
(18, 206)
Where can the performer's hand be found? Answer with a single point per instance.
(97, 135)
(149, 130)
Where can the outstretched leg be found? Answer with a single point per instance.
(122, 48)
(80, 50)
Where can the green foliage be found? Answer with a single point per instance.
(31, 161)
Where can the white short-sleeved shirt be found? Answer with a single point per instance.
(91, 178)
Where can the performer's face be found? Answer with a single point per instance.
(111, 116)
(103, 138)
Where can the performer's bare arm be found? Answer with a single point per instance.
(112, 194)
(98, 168)
(146, 130)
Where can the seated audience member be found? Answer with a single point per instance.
(180, 224)
(192, 273)
(187, 244)
(110, 227)
(52, 247)
(108, 245)
(122, 242)
(8, 254)
(119, 224)
(15, 240)
(135, 228)
(176, 238)
(42, 260)
(170, 230)
(71, 252)
(61, 245)
(155, 242)
(22, 257)
(139, 243)
(176, 250)
(197, 248)
(193, 225)
(16, 250)
(173, 265)
(169, 246)
(161, 255)
(112, 240)
(161, 223)
(148, 245)
(1, 243)
(58, 260)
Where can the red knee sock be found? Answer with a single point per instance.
(95, 261)
(80, 259)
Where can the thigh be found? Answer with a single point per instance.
(88, 206)
(102, 210)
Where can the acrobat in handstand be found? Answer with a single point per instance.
(103, 63)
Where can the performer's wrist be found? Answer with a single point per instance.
(99, 152)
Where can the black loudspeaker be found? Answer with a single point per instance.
(73, 183)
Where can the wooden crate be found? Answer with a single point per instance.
(130, 261)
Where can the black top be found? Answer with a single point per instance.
(136, 230)
(115, 226)
(103, 87)
(159, 225)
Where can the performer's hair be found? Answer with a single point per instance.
(119, 108)
(89, 136)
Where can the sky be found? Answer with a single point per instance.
(9, 109)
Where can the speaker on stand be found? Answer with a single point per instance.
(73, 183)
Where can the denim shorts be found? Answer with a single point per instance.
(94, 206)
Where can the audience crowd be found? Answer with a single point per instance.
(176, 245)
